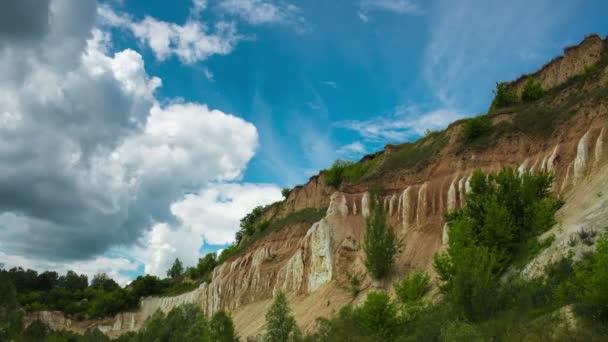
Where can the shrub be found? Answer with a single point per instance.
(378, 315)
(285, 192)
(341, 171)
(412, 287)
(461, 332)
(334, 176)
(504, 96)
(280, 324)
(592, 281)
(532, 91)
(475, 127)
(222, 328)
(380, 243)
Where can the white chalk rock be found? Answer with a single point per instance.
(321, 263)
(365, 205)
(422, 205)
(337, 205)
(406, 208)
(580, 162)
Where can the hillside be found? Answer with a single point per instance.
(563, 132)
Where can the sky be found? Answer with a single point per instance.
(134, 132)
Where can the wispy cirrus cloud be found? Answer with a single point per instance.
(352, 150)
(404, 124)
(366, 7)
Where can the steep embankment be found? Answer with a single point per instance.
(564, 133)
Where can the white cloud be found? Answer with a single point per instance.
(353, 149)
(392, 6)
(257, 12)
(191, 42)
(212, 215)
(331, 84)
(404, 124)
(208, 74)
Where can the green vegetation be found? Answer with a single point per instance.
(263, 228)
(280, 324)
(481, 300)
(184, 323)
(348, 171)
(504, 96)
(412, 287)
(380, 243)
(532, 91)
(176, 270)
(415, 155)
(475, 127)
(285, 192)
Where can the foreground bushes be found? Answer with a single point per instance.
(380, 242)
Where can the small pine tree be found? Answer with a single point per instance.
(280, 324)
(380, 243)
(176, 270)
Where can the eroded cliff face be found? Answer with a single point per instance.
(312, 263)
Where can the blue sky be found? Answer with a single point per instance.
(301, 79)
(135, 132)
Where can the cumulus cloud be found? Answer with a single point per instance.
(392, 6)
(191, 42)
(90, 161)
(211, 215)
(257, 12)
(405, 123)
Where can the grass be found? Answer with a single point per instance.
(417, 154)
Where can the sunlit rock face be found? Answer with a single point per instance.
(406, 211)
(365, 205)
(599, 148)
(580, 162)
(452, 196)
(421, 208)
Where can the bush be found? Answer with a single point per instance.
(413, 287)
(591, 281)
(532, 91)
(285, 192)
(504, 96)
(280, 324)
(461, 332)
(378, 316)
(380, 243)
(222, 328)
(475, 128)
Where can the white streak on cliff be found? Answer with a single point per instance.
(551, 160)
(391, 205)
(406, 210)
(365, 205)
(421, 207)
(452, 196)
(580, 162)
(599, 147)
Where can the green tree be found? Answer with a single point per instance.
(280, 324)
(176, 270)
(504, 96)
(591, 281)
(378, 315)
(205, 266)
(380, 243)
(532, 91)
(102, 281)
(413, 287)
(222, 328)
(285, 192)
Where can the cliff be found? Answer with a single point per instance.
(563, 133)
